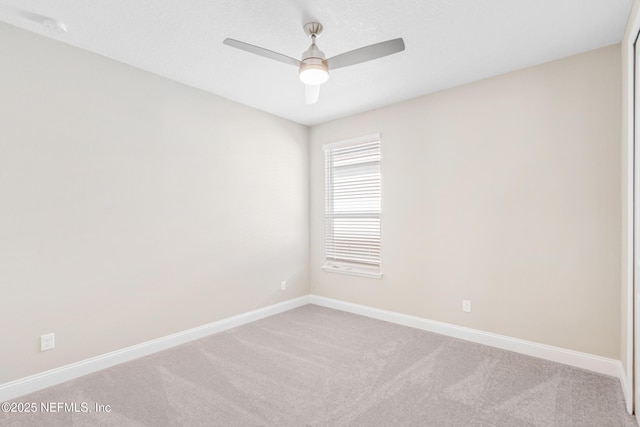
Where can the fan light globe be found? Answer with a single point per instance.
(313, 71)
(314, 76)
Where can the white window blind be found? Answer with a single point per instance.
(352, 205)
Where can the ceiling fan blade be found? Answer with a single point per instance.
(262, 52)
(366, 53)
(311, 94)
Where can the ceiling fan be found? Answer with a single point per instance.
(314, 67)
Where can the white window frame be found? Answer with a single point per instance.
(344, 266)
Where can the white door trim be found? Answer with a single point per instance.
(628, 60)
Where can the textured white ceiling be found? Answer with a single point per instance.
(448, 43)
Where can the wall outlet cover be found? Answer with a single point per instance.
(466, 306)
(47, 342)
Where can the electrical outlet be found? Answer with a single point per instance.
(283, 285)
(466, 306)
(47, 342)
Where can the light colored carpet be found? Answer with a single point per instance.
(316, 366)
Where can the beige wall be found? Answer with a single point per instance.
(132, 207)
(505, 192)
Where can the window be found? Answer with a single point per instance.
(352, 206)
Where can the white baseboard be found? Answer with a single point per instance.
(55, 376)
(587, 361)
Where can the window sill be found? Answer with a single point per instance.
(371, 272)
